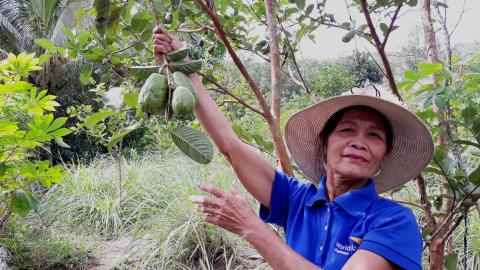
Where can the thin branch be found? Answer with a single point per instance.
(427, 207)
(380, 49)
(226, 101)
(203, 28)
(226, 91)
(409, 203)
(364, 35)
(389, 30)
(459, 18)
(221, 34)
(303, 83)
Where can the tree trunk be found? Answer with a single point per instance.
(437, 245)
(276, 86)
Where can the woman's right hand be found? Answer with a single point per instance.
(164, 42)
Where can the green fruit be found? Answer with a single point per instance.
(153, 95)
(183, 102)
(186, 67)
(181, 79)
(178, 55)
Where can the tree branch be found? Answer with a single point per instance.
(221, 34)
(427, 207)
(224, 90)
(389, 30)
(380, 50)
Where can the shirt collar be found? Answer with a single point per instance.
(354, 202)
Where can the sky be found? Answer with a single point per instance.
(329, 40)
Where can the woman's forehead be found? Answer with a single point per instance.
(364, 114)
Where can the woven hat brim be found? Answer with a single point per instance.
(412, 148)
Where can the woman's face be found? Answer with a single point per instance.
(357, 145)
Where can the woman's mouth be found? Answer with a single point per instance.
(355, 158)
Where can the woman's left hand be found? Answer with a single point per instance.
(229, 210)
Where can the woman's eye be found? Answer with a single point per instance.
(347, 130)
(376, 135)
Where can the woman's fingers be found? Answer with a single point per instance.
(165, 44)
(204, 200)
(215, 191)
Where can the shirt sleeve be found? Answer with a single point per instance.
(396, 237)
(283, 190)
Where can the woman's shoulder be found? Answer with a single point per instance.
(383, 207)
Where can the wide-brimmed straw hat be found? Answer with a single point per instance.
(412, 147)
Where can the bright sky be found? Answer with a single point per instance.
(329, 41)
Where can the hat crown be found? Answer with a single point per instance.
(374, 91)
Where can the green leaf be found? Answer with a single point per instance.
(59, 141)
(384, 28)
(57, 123)
(61, 132)
(142, 72)
(439, 103)
(193, 144)
(474, 176)
(410, 75)
(187, 67)
(141, 21)
(348, 36)
(412, 3)
(429, 68)
(43, 58)
(469, 114)
(86, 74)
(117, 137)
(448, 165)
(309, 9)
(93, 119)
(300, 4)
(20, 203)
(131, 99)
(451, 261)
(46, 44)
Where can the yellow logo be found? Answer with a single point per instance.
(356, 239)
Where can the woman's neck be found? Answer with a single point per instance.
(337, 185)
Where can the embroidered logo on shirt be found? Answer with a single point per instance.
(346, 250)
(356, 239)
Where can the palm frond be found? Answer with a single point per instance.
(10, 38)
(66, 17)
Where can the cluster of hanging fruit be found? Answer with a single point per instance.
(171, 91)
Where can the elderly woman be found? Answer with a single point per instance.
(353, 147)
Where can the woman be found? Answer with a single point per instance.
(342, 144)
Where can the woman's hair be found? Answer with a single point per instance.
(336, 117)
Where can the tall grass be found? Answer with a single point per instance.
(152, 205)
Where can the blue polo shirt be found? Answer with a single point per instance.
(328, 233)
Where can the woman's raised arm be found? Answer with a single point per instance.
(255, 173)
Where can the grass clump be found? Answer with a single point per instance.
(34, 247)
(151, 204)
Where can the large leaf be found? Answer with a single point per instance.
(99, 116)
(193, 143)
(113, 98)
(118, 136)
(300, 4)
(474, 176)
(22, 203)
(142, 72)
(469, 114)
(451, 261)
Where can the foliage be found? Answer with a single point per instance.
(32, 247)
(154, 207)
(26, 123)
(331, 79)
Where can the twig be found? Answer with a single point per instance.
(203, 28)
(389, 30)
(380, 49)
(427, 207)
(226, 91)
(409, 203)
(221, 34)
